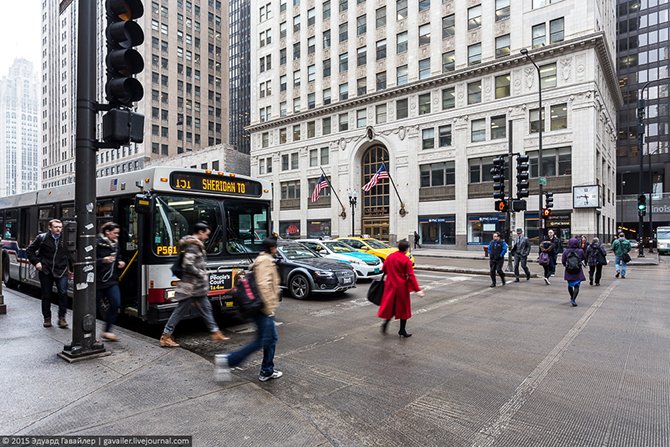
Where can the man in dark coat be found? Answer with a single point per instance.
(417, 238)
(557, 249)
(48, 254)
(521, 251)
(497, 251)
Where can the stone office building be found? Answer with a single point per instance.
(428, 88)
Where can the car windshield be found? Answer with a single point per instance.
(374, 243)
(297, 251)
(339, 247)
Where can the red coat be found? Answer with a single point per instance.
(400, 281)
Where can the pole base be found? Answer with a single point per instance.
(73, 354)
(3, 309)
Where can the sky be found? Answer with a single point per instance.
(20, 33)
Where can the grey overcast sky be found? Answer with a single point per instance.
(21, 33)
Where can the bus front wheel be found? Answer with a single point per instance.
(9, 282)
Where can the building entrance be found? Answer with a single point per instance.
(375, 210)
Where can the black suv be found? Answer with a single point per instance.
(303, 271)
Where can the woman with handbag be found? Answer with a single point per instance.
(596, 257)
(400, 281)
(546, 260)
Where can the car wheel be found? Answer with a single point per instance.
(299, 287)
(11, 283)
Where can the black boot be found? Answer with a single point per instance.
(403, 332)
(574, 295)
(384, 326)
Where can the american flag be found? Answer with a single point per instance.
(322, 183)
(379, 175)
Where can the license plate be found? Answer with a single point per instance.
(347, 281)
(376, 270)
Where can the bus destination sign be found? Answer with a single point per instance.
(218, 184)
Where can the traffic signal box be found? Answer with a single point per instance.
(498, 172)
(548, 204)
(522, 184)
(642, 205)
(121, 125)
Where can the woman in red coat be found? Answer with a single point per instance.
(400, 281)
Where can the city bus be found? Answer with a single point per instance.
(663, 239)
(236, 207)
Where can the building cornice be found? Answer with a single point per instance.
(596, 40)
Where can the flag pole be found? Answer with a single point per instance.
(343, 214)
(403, 213)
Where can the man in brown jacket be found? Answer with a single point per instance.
(267, 283)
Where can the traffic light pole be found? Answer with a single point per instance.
(640, 143)
(84, 343)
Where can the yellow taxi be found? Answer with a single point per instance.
(372, 246)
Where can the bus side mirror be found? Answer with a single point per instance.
(142, 204)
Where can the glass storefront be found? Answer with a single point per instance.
(437, 230)
(481, 228)
(289, 229)
(318, 228)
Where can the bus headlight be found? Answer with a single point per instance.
(170, 294)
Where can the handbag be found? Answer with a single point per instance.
(246, 296)
(376, 290)
(625, 258)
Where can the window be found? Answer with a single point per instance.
(311, 73)
(478, 130)
(326, 39)
(445, 135)
(344, 5)
(548, 75)
(326, 97)
(326, 10)
(401, 42)
(381, 81)
(290, 190)
(311, 101)
(475, 17)
(282, 135)
(502, 9)
(265, 139)
(296, 105)
(326, 126)
(284, 162)
(361, 25)
(502, 46)
(555, 162)
(380, 114)
(401, 9)
(311, 45)
(424, 34)
(428, 138)
(296, 137)
(326, 68)
(282, 56)
(534, 115)
(311, 129)
(498, 127)
(361, 118)
(559, 117)
(448, 61)
(539, 35)
(556, 30)
(344, 91)
(311, 17)
(424, 68)
(361, 86)
(314, 157)
(502, 86)
(475, 92)
(424, 5)
(282, 83)
(361, 56)
(344, 62)
(438, 174)
(296, 78)
(296, 23)
(448, 26)
(296, 51)
(380, 16)
(282, 30)
(402, 75)
(402, 109)
(344, 32)
(325, 154)
(475, 54)
(282, 109)
(381, 49)
(449, 98)
(424, 104)
(344, 122)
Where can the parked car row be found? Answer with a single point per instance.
(313, 266)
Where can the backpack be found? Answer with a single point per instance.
(246, 296)
(544, 259)
(177, 268)
(573, 263)
(593, 254)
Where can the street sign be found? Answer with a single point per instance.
(543, 181)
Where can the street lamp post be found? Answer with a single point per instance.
(352, 201)
(540, 222)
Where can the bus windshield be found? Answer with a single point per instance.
(247, 225)
(663, 234)
(174, 218)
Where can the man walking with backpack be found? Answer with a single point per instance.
(267, 283)
(521, 251)
(621, 247)
(572, 260)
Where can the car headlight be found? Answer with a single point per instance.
(356, 261)
(323, 273)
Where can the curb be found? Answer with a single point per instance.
(470, 271)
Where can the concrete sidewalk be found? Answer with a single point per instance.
(141, 389)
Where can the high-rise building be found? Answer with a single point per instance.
(19, 129)
(185, 82)
(240, 72)
(643, 56)
(430, 90)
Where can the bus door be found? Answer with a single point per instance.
(130, 276)
(28, 225)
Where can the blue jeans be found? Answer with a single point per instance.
(203, 306)
(619, 260)
(46, 283)
(266, 338)
(114, 297)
